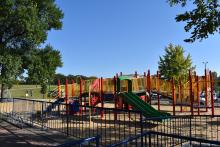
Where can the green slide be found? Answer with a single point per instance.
(138, 104)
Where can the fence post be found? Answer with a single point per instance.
(32, 114)
(190, 130)
(141, 124)
(42, 109)
(13, 105)
(97, 140)
(67, 124)
(149, 140)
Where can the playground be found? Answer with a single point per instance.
(134, 110)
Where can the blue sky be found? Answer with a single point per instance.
(102, 37)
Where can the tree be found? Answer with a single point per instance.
(9, 69)
(23, 27)
(202, 21)
(173, 64)
(215, 79)
(42, 67)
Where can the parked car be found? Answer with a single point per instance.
(202, 97)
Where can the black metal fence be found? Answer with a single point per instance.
(113, 125)
(200, 126)
(92, 141)
(159, 139)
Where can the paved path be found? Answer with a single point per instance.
(11, 136)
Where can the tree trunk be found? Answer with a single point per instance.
(2, 91)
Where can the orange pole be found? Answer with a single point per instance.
(198, 96)
(212, 96)
(180, 95)
(72, 88)
(174, 97)
(191, 92)
(66, 96)
(158, 90)
(206, 91)
(58, 87)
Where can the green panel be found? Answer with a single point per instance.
(124, 78)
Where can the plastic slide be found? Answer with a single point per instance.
(138, 104)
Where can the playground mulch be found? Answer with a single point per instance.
(11, 136)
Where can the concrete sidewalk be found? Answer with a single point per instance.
(11, 136)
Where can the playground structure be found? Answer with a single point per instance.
(184, 97)
(121, 110)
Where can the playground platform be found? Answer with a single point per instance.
(11, 136)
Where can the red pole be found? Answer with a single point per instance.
(115, 98)
(135, 74)
(102, 99)
(72, 88)
(80, 95)
(158, 90)
(191, 92)
(212, 96)
(198, 96)
(174, 97)
(145, 81)
(58, 89)
(84, 104)
(66, 96)
(206, 91)
(149, 85)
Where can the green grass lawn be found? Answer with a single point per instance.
(19, 91)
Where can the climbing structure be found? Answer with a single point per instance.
(183, 95)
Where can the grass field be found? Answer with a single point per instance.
(19, 91)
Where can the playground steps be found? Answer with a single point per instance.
(53, 105)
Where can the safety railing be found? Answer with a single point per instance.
(113, 125)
